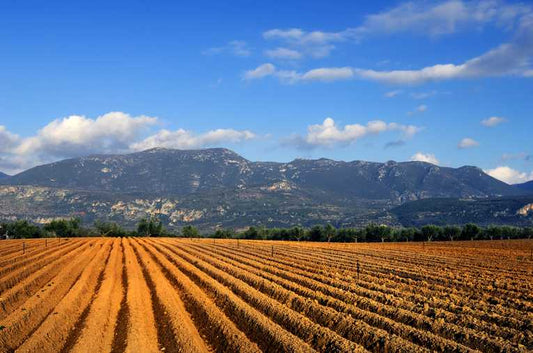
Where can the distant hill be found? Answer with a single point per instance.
(3, 175)
(526, 186)
(516, 211)
(218, 187)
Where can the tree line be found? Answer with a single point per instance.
(151, 227)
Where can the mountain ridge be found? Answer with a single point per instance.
(182, 172)
(527, 186)
(214, 188)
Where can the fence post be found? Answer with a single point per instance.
(358, 270)
(272, 250)
(23, 247)
(45, 243)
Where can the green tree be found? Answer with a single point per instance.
(21, 229)
(64, 228)
(376, 232)
(451, 232)
(190, 232)
(431, 232)
(316, 233)
(407, 234)
(110, 229)
(330, 232)
(493, 232)
(470, 231)
(150, 228)
(223, 233)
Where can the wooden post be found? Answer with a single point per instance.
(272, 250)
(23, 247)
(238, 246)
(46, 243)
(358, 270)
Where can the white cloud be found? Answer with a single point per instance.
(493, 121)
(7, 139)
(516, 156)
(183, 139)
(235, 47)
(420, 18)
(422, 108)
(327, 74)
(283, 53)
(329, 133)
(260, 72)
(114, 132)
(509, 175)
(509, 59)
(425, 157)
(467, 142)
(316, 44)
(392, 94)
(77, 134)
(423, 95)
(419, 109)
(441, 18)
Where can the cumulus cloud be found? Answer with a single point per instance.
(7, 139)
(260, 72)
(509, 175)
(329, 133)
(425, 157)
(183, 139)
(78, 134)
(283, 53)
(234, 47)
(114, 132)
(493, 121)
(467, 142)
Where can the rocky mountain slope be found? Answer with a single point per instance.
(217, 187)
(178, 172)
(3, 175)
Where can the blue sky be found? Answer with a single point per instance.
(449, 82)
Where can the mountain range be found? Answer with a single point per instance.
(218, 188)
(526, 186)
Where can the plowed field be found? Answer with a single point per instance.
(190, 295)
